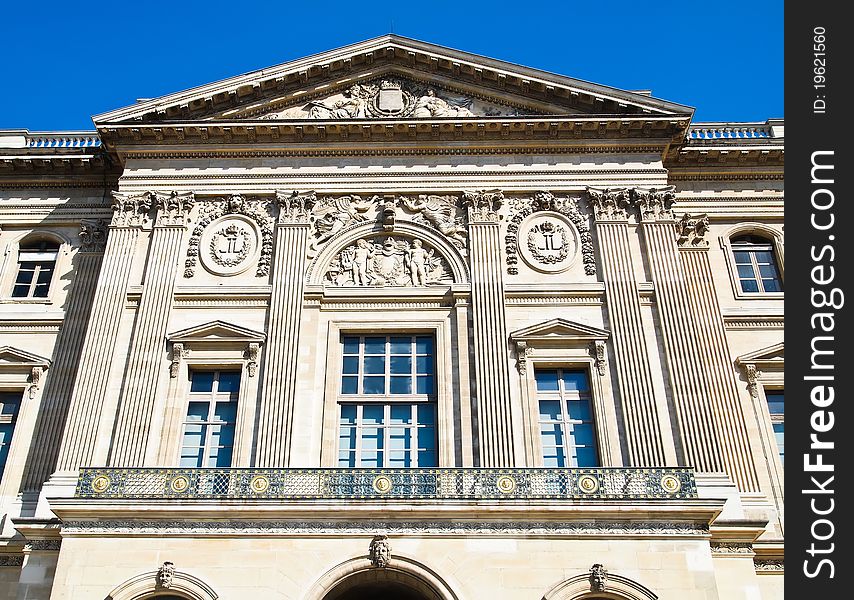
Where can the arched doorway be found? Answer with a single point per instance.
(382, 584)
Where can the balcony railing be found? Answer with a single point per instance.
(63, 139)
(398, 484)
(734, 131)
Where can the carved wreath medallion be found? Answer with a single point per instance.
(230, 245)
(548, 242)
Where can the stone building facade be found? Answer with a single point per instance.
(393, 321)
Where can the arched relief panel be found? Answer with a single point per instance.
(387, 257)
(148, 585)
(599, 584)
(401, 569)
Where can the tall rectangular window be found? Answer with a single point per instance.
(10, 404)
(36, 262)
(566, 418)
(208, 436)
(775, 409)
(387, 402)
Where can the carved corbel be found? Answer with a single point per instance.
(131, 210)
(598, 350)
(655, 204)
(609, 204)
(252, 353)
(380, 551)
(598, 577)
(691, 231)
(165, 575)
(35, 379)
(295, 207)
(93, 235)
(753, 376)
(178, 352)
(523, 351)
(483, 206)
(173, 208)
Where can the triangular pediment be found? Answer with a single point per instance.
(392, 77)
(217, 331)
(559, 329)
(10, 356)
(763, 356)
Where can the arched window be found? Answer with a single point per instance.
(756, 266)
(36, 263)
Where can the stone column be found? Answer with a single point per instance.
(147, 347)
(711, 338)
(491, 371)
(281, 356)
(687, 365)
(645, 444)
(59, 387)
(131, 213)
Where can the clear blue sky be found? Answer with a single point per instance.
(65, 61)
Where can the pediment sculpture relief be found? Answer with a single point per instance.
(394, 98)
(388, 261)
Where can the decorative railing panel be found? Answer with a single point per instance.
(729, 131)
(401, 484)
(71, 139)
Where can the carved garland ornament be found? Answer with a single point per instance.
(546, 201)
(255, 210)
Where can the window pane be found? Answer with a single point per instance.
(198, 411)
(202, 381)
(549, 410)
(546, 380)
(575, 381)
(764, 257)
(586, 457)
(745, 271)
(424, 365)
(374, 364)
(374, 345)
(372, 439)
(229, 382)
(424, 344)
(346, 459)
(579, 410)
(398, 438)
(400, 385)
(373, 385)
(425, 384)
(581, 434)
(551, 434)
(742, 258)
(221, 457)
(749, 285)
(400, 345)
(552, 460)
(194, 435)
(371, 460)
(349, 385)
(400, 365)
(427, 458)
(351, 365)
(775, 402)
(222, 435)
(772, 285)
(351, 345)
(426, 414)
(191, 457)
(768, 271)
(372, 414)
(426, 438)
(45, 273)
(348, 413)
(347, 439)
(225, 411)
(401, 414)
(25, 273)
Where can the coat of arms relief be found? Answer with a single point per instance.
(394, 97)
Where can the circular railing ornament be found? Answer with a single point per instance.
(100, 484)
(259, 484)
(180, 484)
(382, 484)
(588, 484)
(506, 484)
(671, 484)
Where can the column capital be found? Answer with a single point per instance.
(609, 204)
(93, 235)
(131, 210)
(655, 204)
(173, 208)
(294, 207)
(483, 205)
(691, 231)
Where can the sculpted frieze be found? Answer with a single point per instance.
(330, 215)
(388, 261)
(231, 235)
(392, 97)
(692, 231)
(440, 212)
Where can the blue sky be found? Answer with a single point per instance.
(65, 61)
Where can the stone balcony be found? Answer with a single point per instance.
(451, 484)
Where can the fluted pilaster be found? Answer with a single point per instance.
(59, 387)
(632, 361)
(130, 213)
(492, 374)
(687, 365)
(281, 360)
(711, 337)
(142, 373)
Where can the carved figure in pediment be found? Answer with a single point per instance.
(393, 262)
(431, 105)
(417, 258)
(440, 212)
(361, 254)
(352, 106)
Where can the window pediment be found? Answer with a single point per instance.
(217, 331)
(559, 331)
